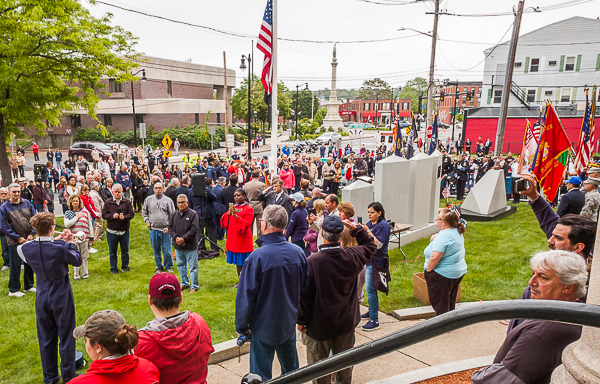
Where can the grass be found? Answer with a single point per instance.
(497, 258)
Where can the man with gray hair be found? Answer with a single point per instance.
(171, 191)
(118, 213)
(268, 296)
(157, 212)
(99, 204)
(183, 228)
(533, 349)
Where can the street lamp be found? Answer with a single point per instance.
(133, 106)
(243, 68)
(297, 99)
(377, 109)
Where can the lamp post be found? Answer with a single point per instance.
(248, 123)
(377, 109)
(133, 106)
(297, 100)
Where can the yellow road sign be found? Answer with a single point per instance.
(167, 153)
(167, 142)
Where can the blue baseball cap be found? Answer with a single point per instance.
(332, 224)
(575, 180)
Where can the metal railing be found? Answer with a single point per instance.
(520, 94)
(561, 311)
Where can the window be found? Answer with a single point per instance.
(367, 106)
(107, 120)
(552, 63)
(570, 64)
(566, 95)
(497, 97)
(518, 64)
(535, 65)
(531, 95)
(75, 121)
(405, 106)
(465, 89)
(548, 93)
(169, 88)
(139, 119)
(196, 118)
(114, 87)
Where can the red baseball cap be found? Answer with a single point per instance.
(161, 282)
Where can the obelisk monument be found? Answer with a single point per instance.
(333, 119)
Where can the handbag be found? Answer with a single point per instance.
(382, 277)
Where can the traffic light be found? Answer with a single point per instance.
(468, 96)
(442, 94)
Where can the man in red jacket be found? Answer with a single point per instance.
(178, 343)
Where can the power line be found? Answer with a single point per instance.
(567, 4)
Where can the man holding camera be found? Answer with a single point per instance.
(118, 213)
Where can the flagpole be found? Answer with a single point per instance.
(274, 111)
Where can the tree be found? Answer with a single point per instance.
(412, 90)
(305, 103)
(369, 90)
(320, 115)
(52, 58)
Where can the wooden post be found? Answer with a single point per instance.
(226, 103)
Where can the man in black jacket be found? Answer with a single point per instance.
(461, 170)
(207, 220)
(328, 311)
(299, 169)
(572, 201)
(118, 213)
(183, 228)
(183, 186)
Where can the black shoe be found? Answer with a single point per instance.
(184, 287)
(126, 269)
(114, 272)
(364, 315)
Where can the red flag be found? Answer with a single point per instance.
(552, 155)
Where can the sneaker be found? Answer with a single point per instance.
(76, 277)
(170, 270)
(371, 326)
(16, 294)
(364, 315)
(32, 290)
(184, 287)
(85, 277)
(22, 267)
(157, 271)
(114, 272)
(126, 269)
(4, 268)
(193, 290)
(93, 250)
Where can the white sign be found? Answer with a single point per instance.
(142, 130)
(222, 144)
(230, 141)
(211, 129)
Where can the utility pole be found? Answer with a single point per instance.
(432, 62)
(226, 101)
(508, 79)
(454, 112)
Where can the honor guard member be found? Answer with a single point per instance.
(446, 163)
(461, 169)
(54, 305)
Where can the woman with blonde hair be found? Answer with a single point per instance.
(78, 218)
(313, 237)
(347, 213)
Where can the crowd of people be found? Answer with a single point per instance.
(314, 261)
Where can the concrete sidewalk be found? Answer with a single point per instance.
(477, 340)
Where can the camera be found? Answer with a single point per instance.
(521, 185)
(359, 220)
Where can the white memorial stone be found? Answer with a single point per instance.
(488, 195)
(392, 186)
(360, 195)
(421, 182)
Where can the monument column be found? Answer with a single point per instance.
(333, 119)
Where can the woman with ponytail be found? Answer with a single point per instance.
(109, 342)
(445, 264)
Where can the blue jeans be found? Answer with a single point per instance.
(372, 294)
(261, 357)
(185, 258)
(160, 240)
(39, 207)
(113, 243)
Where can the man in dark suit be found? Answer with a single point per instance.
(219, 205)
(184, 186)
(572, 201)
(275, 194)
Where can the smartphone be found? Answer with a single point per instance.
(230, 206)
(521, 185)
(119, 211)
(359, 220)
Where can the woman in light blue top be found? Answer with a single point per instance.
(445, 264)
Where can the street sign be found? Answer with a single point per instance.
(166, 141)
(212, 129)
(230, 141)
(167, 153)
(142, 130)
(429, 132)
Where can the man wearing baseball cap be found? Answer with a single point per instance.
(592, 198)
(573, 200)
(177, 342)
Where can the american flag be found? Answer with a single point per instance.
(530, 145)
(586, 137)
(265, 44)
(446, 193)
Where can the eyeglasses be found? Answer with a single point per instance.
(182, 202)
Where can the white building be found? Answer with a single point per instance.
(555, 62)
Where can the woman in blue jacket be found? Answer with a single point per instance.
(298, 226)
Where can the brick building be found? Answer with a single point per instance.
(175, 93)
(446, 107)
(375, 111)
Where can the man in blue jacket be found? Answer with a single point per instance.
(125, 181)
(268, 296)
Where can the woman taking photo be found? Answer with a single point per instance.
(313, 238)
(298, 226)
(77, 218)
(379, 228)
(238, 223)
(337, 178)
(109, 342)
(445, 264)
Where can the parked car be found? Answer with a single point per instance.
(328, 136)
(403, 124)
(368, 125)
(84, 148)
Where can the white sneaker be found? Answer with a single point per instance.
(32, 290)
(4, 268)
(93, 250)
(16, 294)
(22, 267)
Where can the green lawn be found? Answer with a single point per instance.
(497, 257)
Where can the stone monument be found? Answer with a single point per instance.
(360, 195)
(392, 188)
(487, 199)
(333, 119)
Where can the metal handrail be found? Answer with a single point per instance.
(553, 310)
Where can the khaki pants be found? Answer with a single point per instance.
(84, 251)
(319, 350)
(256, 220)
(98, 228)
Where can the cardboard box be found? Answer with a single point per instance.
(420, 289)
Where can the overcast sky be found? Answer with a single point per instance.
(395, 61)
